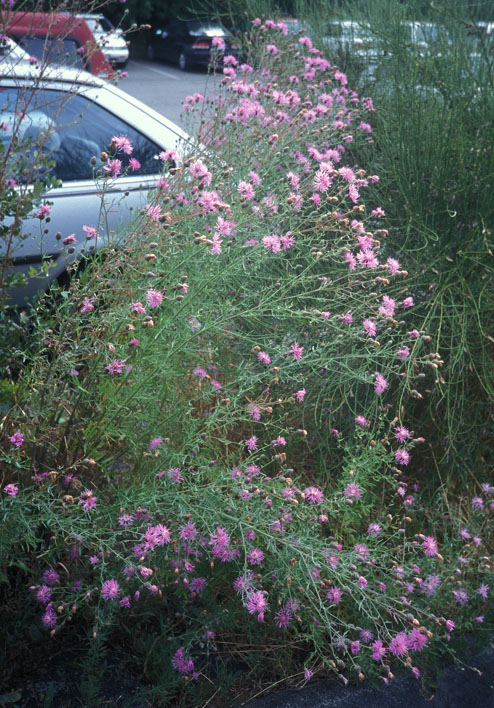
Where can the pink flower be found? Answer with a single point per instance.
(272, 49)
(300, 395)
(393, 265)
(334, 595)
(180, 661)
(122, 144)
(296, 351)
(17, 439)
(113, 167)
(251, 443)
(153, 211)
(416, 641)
(115, 367)
(370, 327)
(313, 495)
(246, 190)
(87, 305)
(398, 645)
(272, 243)
(155, 443)
(43, 211)
(450, 625)
(374, 529)
(69, 240)
(256, 602)
(378, 650)
(402, 457)
(352, 492)
(381, 384)
(402, 433)
(134, 164)
(407, 302)
(283, 617)
(430, 546)
(255, 556)
(11, 489)
(362, 421)
(154, 298)
(264, 358)
(280, 441)
(218, 42)
(49, 618)
(137, 308)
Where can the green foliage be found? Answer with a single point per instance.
(205, 455)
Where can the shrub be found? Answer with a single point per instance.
(209, 448)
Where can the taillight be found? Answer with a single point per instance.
(200, 45)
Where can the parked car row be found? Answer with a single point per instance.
(87, 42)
(189, 43)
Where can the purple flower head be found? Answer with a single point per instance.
(381, 384)
(17, 439)
(416, 641)
(154, 298)
(313, 495)
(11, 489)
(402, 457)
(378, 650)
(255, 556)
(430, 546)
(110, 589)
(256, 602)
(334, 595)
(398, 646)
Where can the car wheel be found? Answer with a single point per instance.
(183, 62)
(150, 54)
(122, 65)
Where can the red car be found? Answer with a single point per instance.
(58, 38)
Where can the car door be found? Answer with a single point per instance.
(81, 126)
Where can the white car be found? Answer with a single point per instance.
(111, 40)
(74, 116)
(11, 52)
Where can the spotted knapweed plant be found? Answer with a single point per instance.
(211, 443)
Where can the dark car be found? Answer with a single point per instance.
(187, 43)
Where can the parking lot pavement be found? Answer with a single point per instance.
(164, 87)
(457, 688)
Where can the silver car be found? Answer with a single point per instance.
(74, 116)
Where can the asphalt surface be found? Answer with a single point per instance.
(164, 87)
(457, 688)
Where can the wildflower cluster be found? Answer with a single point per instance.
(234, 449)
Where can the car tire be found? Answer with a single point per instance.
(183, 62)
(150, 53)
(122, 65)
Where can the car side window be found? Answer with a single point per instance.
(71, 130)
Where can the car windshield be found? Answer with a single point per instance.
(99, 24)
(200, 29)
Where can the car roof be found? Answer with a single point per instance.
(76, 77)
(23, 71)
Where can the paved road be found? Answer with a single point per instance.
(164, 87)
